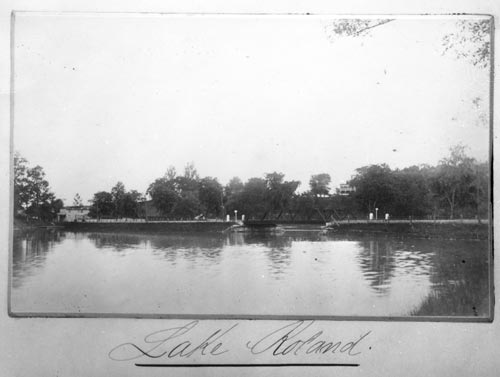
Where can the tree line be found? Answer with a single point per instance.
(33, 198)
(458, 186)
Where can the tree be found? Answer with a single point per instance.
(471, 41)
(412, 195)
(232, 195)
(479, 191)
(118, 194)
(164, 195)
(374, 187)
(187, 187)
(32, 194)
(118, 203)
(344, 207)
(77, 201)
(454, 178)
(56, 205)
(279, 193)
(353, 27)
(274, 182)
(320, 184)
(163, 192)
(303, 206)
(21, 194)
(210, 195)
(188, 206)
(39, 195)
(234, 187)
(252, 200)
(102, 205)
(177, 196)
(190, 172)
(171, 173)
(130, 204)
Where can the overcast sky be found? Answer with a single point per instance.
(101, 99)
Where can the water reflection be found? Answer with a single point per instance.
(377, 262)
(307, 272)
(460, 279)
(169, 247)
(272, 241)
(114, 241)
(30, 250)
(457, 272)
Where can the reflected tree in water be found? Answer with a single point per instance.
(30, 250)
(277, 248)
(377, 265)
(461, 279)
(280, 260)
(115, 241)
(206, 247)
(264, 238)
(169, 247)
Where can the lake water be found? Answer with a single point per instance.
(300, 272)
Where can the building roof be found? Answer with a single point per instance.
(76, 207)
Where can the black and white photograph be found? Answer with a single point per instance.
(251, 166)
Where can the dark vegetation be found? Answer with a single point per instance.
(34, 202)
(458, 187)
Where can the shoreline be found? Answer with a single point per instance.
(426, 230)
(151, 227)
(453, 230)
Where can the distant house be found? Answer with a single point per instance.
(345, 189)
(74, 213)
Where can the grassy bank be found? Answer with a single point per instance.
(22, 225)
(150, 227)
(449, 230)
(440, 230)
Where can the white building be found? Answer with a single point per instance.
(72, 214)
(345, 189)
